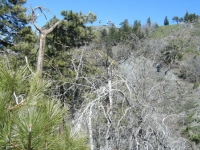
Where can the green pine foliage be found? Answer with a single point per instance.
(137, 29)
(113, 36)
(149, 22)
(125, 29)
(73, 31)
(12, 21)
(166, 21)
(15, 34)
(29, 118)
(188, 18)
(65, 38)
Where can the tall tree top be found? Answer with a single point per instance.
(149, 22)
(166, 21)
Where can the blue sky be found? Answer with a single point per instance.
(119, 10)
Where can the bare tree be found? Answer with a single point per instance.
(43, 33)
(136, 109)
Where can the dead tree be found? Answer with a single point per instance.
(43, 33)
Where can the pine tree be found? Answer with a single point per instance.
(72, 32)
(186, 17)
(137, 29)
(149, 22)
(16, 37)
(125, 29)
(193, 17)
(190, 17)
(166, 21)
(29, 118)
(13, 21)
(113, 36)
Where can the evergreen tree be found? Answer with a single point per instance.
(192, 17)
(166, 21)
(16, 37)
(125, 29)
(186, 17)
(113, 36)
(71, 33)
(29, 118)
(136, 26)
(149, 22)
(103, 35)
(137, 29)
(13, 20)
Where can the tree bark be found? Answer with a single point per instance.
(40, 61)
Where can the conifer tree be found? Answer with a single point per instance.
(72, 32)
(186, 17)
(113, 36)
(166, 21)
(137, 29)
(149, 22)
(190, 17)
(13, 21)
(125, 29)
(29, 118)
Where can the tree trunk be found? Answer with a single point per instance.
(40, 62)
(90, 129)
(110, 99)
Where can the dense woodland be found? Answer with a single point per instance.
(71, 86)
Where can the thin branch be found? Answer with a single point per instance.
(26, 59)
